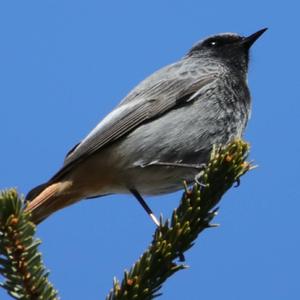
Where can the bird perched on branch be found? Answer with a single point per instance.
(161, 133)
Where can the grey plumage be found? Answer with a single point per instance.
(166, 127)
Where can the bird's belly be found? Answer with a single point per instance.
(155, 181)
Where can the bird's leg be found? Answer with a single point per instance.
(175, 164)
(199, 167)
(148, 210)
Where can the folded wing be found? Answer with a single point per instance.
(142, 107)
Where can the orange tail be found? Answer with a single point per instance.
(48, 198)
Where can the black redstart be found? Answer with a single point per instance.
(162, 132)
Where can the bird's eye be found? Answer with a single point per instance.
(213, 44)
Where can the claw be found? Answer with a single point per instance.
(197, 179)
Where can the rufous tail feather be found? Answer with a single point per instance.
(49, 200)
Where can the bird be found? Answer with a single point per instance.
(161, 134)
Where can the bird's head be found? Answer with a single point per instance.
(229, 48)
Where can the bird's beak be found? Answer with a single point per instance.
(248, 41)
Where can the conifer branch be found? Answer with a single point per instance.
(194, 214)
(25, 275)
(20, 262)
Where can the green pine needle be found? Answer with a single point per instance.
(20, 262)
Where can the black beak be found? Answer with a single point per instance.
(249, 40)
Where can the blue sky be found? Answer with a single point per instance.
(65, 64)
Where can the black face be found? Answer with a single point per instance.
(219, 45)
(228, 48)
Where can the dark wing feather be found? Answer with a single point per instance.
(155, 101)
